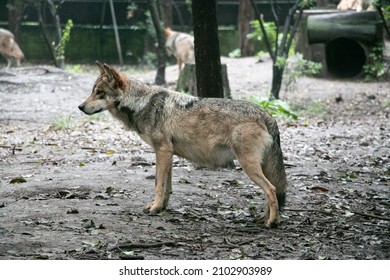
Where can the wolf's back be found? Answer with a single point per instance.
(273, 165)
(8, 46)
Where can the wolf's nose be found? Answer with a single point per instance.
(82, 107)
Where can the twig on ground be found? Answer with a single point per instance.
(385, 218)
(129, 245)
(135, 257)
(306, 210)
(371, 216)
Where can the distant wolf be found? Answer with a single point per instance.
(180, 45)
(209, 132)
(358, 5)
(9, 48)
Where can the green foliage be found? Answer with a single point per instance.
(275, 108)
(378, 4)
(131, 7)
(149, 59)
(75, 68)
(310, 110)
(235, 53)
(60, 47)
(386, 12)
(280, 62)
(63, 122)
(349, 176)
(297, 67)
(376, 67)
(307, 4)
(270, 30)
(386, 103)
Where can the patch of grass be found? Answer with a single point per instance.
(62, 122)
(297, 67)
(386, 103)
(310, 110)
(235, 53)
(74, 68)
(276, 108)
(349, 176)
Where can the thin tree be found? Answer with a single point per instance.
(56, 43)
(207, 53)
(379, 4)
(161, 52)
(280, 51)
(166, 11)
(245, 16)
(15, 15)
(51, 42)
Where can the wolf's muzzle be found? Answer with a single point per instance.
(82, 108)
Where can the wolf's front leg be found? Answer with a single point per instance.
(163, 183)
(168, 188)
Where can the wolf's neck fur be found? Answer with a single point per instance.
(139, 101)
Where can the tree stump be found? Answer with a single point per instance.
(187, 81)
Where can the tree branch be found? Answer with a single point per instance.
(266, 39)
(286, 30)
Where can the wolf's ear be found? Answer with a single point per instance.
(101, 67)
(167, 31)
(111, 73)
(114, 76)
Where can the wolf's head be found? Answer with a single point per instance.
(106, 92)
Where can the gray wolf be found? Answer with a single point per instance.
(180, 45)
(209, 131)
(358, 5)
(9, 48)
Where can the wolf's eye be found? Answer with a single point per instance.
(100, 94)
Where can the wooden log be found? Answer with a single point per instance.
(364, 27)
(187, 81)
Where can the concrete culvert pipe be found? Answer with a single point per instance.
(345, 58)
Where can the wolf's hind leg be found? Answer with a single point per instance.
(250, 144)
(255, 173)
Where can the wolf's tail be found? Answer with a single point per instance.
(273, 165)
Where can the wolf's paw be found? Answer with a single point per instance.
(267, 222)
(153, 208)
(271, 224)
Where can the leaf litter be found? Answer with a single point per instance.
(86, 183)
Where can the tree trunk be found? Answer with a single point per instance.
(45, 32)
(245, 15)
(50, 42)
(161, 52)
(277, 78)
(166, 11)
(282, 46)
(60, 63)
(15, 13)
(378, 8)
(207, 54)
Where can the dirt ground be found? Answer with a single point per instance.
(73, 186)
